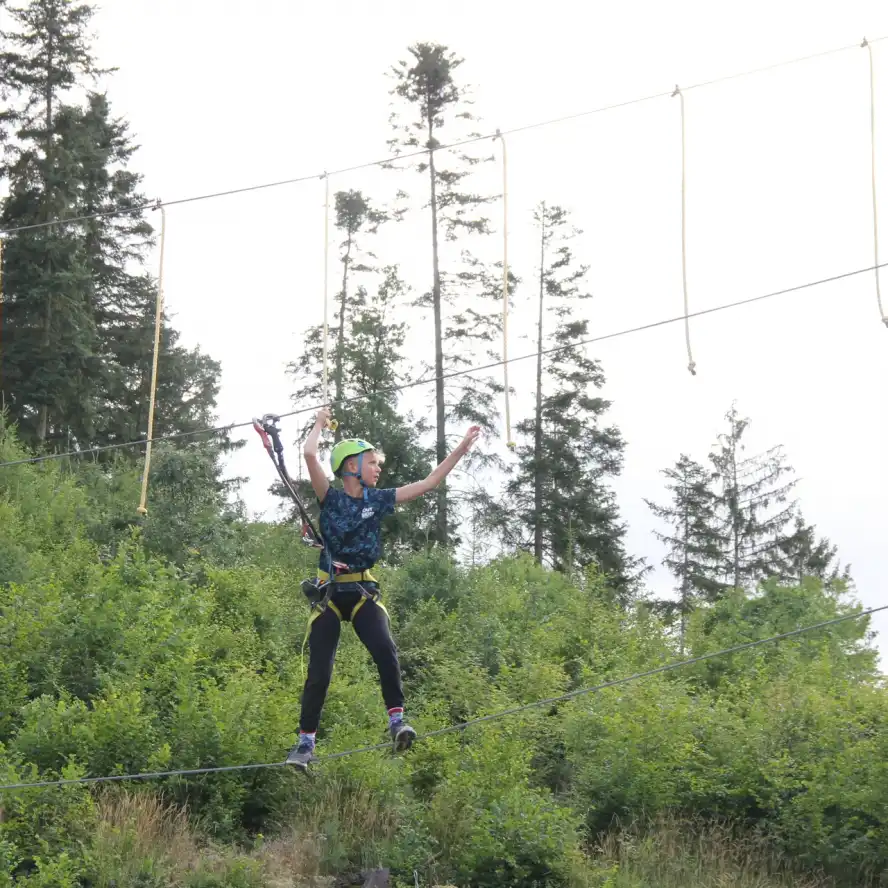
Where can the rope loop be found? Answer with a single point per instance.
(692, 365)
(868, 47)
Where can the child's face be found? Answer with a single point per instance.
(371, 468)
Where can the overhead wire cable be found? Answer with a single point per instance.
(426, 380)
(566, 118)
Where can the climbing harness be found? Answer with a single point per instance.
(320, 594)
(868, 46)
(692, 366)
(158, 318)
(509, 442)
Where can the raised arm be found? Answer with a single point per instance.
(418, 488)
(315, 470)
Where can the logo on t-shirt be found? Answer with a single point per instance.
(367, 513)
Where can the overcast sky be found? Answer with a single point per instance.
(222, 95)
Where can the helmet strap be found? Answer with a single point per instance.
(358, 474)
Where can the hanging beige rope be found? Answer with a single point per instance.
(509, 442)
(868, 46)
(324, 383)
(692, 366)
(158, 316)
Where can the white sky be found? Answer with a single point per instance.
(222, 94)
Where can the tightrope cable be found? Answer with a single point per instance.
(426, 380)
(450, 729)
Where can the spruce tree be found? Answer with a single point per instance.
(695, 541)
(560, 495)
(123, 296)
(466, 302)
(50, 349)
(49, 360)
(802, 554)
(755, 505)
(354, 215)
(82, 285)
(369, 353)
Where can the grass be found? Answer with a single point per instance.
(682, 852)
(141, 840)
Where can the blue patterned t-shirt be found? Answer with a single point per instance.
(351, 526)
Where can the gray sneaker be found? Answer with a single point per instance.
(301, 754)
(402, 736)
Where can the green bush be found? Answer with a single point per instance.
(130, 647)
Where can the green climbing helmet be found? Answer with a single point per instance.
(344, 449)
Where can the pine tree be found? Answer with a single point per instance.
(354, 214)
(90, 386)
(801, 554)
(695, 541)
(123, 296)
(369, 353)
(755, 505)
(7, 113)
(560, 495)
(433, 110)
(49, 358)
(50, 345)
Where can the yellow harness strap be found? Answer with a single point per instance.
(363, 577)
(378, 603)
(311, 618)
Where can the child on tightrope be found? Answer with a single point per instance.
(350, 526)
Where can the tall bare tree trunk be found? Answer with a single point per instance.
(43, 424)
(538, 423)
(441, 438)
(340, 343)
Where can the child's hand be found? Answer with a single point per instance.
(471, 437)
(323, 417)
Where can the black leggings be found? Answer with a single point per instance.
(371, 626)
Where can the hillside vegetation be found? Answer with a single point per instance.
(127, 648)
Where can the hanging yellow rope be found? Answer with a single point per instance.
(324, 383)
(866, 45)
(692, 366)
(509, 442)
(158, 315)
